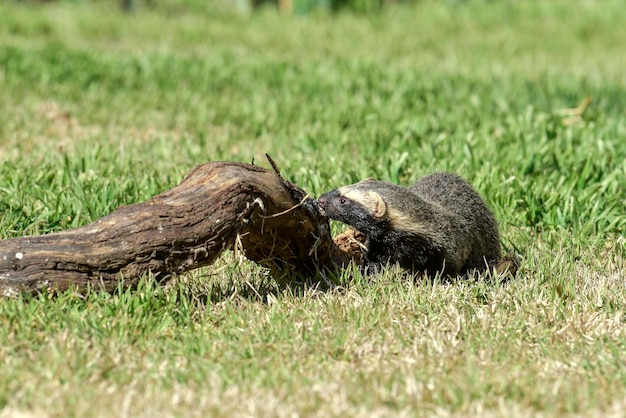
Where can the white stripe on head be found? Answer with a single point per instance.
(372, 201)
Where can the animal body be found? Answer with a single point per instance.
(439, 224)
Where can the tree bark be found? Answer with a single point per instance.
(218, 206)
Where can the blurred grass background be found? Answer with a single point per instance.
(100, 107)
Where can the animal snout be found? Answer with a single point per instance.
(321, 203)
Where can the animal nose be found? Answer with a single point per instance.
(321, 201)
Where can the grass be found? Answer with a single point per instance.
(100, 109)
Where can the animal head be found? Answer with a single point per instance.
(363, 205)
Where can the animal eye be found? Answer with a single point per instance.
(342, 201)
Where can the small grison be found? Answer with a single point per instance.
(438, 225)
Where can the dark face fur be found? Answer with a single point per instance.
(357, 214)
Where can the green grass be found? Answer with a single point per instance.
(100, 109)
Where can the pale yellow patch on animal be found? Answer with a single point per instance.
(379, 207)
(372, 201)
(402, 222)
(375, 204)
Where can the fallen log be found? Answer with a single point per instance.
(218, 206)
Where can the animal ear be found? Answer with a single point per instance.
(379, 207)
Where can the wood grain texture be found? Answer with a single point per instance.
(218, 206)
